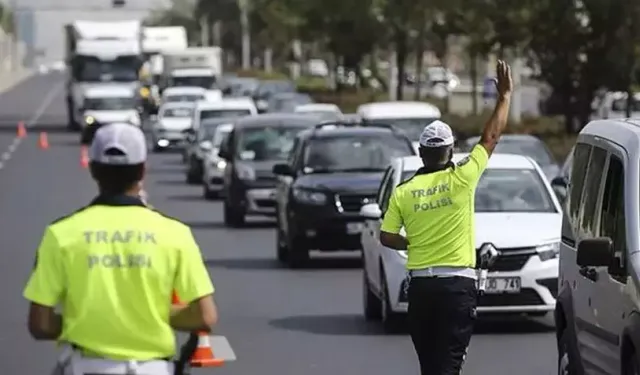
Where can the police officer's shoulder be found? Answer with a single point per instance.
(175, 222)
(68, 216)
(463, 161)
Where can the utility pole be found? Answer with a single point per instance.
(246, 33)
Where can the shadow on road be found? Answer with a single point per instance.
(339, 325)
(273, 264)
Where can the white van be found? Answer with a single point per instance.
(411, 117)
(110, 102)
(598, 305)
(227, 107)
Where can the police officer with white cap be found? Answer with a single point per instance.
(436, 209)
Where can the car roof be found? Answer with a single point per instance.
(109, 91)
(398, 109)
(624, 132)
(226, 103)
(218, 121)
(177, 105)
(184, 90)
(497, 161)
(329, 107)
(345, 130)
(290, 119)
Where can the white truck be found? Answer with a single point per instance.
(100, 52)
(194, 66)
(155, 42)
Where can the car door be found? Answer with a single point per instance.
(370, 233)
(608, 291)
(373, 227)
(283, 186)
(587, 226)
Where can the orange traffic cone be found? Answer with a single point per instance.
(203, 355)
(22, 131)
(43, 141)
(84, 157)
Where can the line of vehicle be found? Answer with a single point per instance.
(6, 156)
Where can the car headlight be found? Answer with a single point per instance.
(89, 120)
(245, 173)
(548, 251)
(309, 197)
(221, 164)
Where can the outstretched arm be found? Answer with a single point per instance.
(497, 123)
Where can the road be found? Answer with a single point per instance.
(278, 321)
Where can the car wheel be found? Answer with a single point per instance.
(298, 252)
(281, 243)
(232, 218)
(372, 305)
(565, 365)
(391, 321)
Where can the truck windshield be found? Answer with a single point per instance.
(90, 69)
(204, 82)
(109, 104)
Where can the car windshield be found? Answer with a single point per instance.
(220, 136)
(207, 131)
(509, 190)
(266, 143)
(532, 148)
(411, 126)
(353, 153)
(188, 98)
(204, 82)
(109, 104)
(177, 112)
(218, 113)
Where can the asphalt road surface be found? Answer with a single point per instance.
(278, 321)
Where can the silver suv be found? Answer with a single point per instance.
(598, 306)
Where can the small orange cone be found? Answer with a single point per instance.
(203, 355)
(22, 131)
(43, 141)
(84, 157)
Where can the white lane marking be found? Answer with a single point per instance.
(6, 156)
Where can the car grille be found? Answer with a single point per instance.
(353, 202)
(512, 259)
(526, 297)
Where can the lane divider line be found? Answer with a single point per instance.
(44, 105)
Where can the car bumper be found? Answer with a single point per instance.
(537, 295)
(325, 229)
(168, 140)
(214, 178)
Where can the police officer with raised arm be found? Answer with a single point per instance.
(436, 209)
(112, 267)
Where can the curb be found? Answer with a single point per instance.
(9, 80)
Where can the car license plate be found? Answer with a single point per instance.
(354, 228)
(496, 285)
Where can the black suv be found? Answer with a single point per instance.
(332, 171)
(253, 147)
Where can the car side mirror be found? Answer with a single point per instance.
(595, 252)
(282, 170)
(559, 181)
(371, 211)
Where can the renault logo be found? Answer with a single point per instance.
(365, 200)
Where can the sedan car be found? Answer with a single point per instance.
(201, 146)
(214, 165)
(516, 212)
(169, 129)
(522, 144)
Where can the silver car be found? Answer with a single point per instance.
(214, 165)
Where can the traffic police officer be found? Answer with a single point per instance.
(436, 209)
(112, 266)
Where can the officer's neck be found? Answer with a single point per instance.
(429, 168)
(133, 193)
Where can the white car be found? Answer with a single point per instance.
(172, 121)
(214, 165)
(184, 94)
(327, 111)
(408, 116)
(515, 210)
(110, 102)
(227, 107)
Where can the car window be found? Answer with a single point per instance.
(109, 104)
(353, 153)
(411, 126)
(566, 168)
(177, 112)
(266, 144)
(512, 190)
(217, 113)
(183, 98)
(592, 183)
(612, 219)
(579, 170)
(387, 190)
